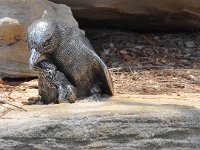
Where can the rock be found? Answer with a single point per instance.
(190, 44)
(106, 52)
(185, 62)
(137, 14)
(122, 122)
(139, 47)
(123, 52)
(15, 17)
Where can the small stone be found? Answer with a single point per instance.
(139, 47)
(156, 37)
(185, 62)
(190, 44)
(188, 50)
(115, 64)
(124, 52)
(111, 45)
(106, 52)
(163, 61)
(22, 88)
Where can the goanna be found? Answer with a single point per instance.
(72, 54)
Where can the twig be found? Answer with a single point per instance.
(192, 78)
(148, 40)
(5, 112)
(128, 68)
(5, 102)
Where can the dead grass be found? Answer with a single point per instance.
(153, 82)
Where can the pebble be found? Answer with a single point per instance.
(123, 52)
(111, 45)
(139, 47)
(190, 44)
(185, 62)
(115, 64)
(106, 52)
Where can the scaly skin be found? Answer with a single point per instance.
(53, 85)
(72, 54)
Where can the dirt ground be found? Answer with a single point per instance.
(150, 63)
(139, 63)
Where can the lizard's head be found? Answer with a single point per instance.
(43, 38)
(45, 68)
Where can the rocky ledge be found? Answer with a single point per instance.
(151, 15)
(122, 122)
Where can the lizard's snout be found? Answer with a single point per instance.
(34, 57)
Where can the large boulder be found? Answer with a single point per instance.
(137, 14)
(15, 17)
(121, 123)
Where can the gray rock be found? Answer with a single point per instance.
(137, 14)
(190, 44)
(146, 122)
(15, 17)
(106, 53)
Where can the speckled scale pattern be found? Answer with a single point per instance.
(83, 65)
(73, 55)
(54, 81)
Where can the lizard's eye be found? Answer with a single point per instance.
(49, 70)
(47, 43)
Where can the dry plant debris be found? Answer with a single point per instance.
(139, 63)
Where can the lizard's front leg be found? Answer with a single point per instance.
(54, 86)
(66, 93)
